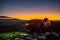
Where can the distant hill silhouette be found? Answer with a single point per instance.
(5, 17)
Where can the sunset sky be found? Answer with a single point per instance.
(30, 9)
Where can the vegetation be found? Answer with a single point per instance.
(12, 35)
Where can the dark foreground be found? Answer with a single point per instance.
(28, 36)
(17, 31)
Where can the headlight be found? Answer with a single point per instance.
(26, 24)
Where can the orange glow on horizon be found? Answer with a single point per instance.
(35, 15)
(28, 18)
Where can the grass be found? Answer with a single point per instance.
(13, 34)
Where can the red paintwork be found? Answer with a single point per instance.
(34, 24)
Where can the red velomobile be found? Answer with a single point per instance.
(34, 25)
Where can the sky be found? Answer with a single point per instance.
(30, 9)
